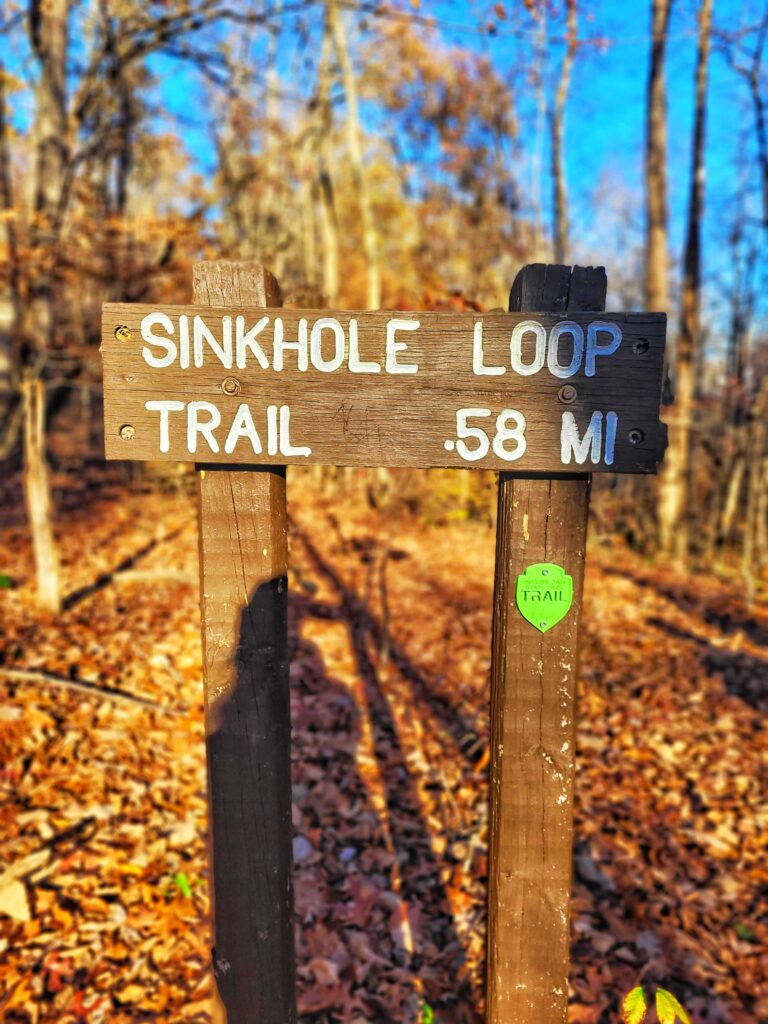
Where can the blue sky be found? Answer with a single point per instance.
(605, 115)
(606, 109)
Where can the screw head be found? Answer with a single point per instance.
(123, 333)
(567, 394)
(636, 436)
(230, 386)
(127, 432)
(641, 346)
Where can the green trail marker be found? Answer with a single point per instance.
(544, 594)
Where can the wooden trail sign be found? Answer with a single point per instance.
(541, 392)
(556, 389)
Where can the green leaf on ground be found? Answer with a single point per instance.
(183, 884)
(669, 1009)
(634, 1007)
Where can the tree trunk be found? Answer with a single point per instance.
(48, 31)
(757, 92)
(308, 229)
(37, 496)
(329, 227)
(355, 149)
(6, 204)
(753, 550)
(656, 256)
(540, 246)
(656, 268)
(559, 191)
(731, 503)
(675, 477)
(48, 37)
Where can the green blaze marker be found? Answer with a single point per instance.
(544, 594)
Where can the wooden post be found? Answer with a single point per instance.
(243, 566)
(533, 683)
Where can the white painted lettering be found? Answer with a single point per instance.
(505, 432)
(299, 346)
(243, 426)
(394, 346)
(184, 342)
(464, 430)
(286, 448)
(516, 347)
(478, 366)
(326, 323)
(165, 408)
(195, 426)
(594, 349)
(553, 362)
(611, 423)
(245, 341)
(272, 433)
(574, 446)
(356, 365)
(202, 334)
(169, 347)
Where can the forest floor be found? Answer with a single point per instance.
(103, 882)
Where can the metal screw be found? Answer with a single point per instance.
(567, 394)
(127, 432)
(545, 572)
(230, 386)
(542, 624)
(636, 436)
(123, 333)
(641, 346)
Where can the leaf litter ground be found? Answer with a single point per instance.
(103, 878)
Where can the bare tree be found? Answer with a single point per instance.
(559, 191)
(329, 225)
(48, 33)
(674, 492)
(656, 240)
(355, 150)
(656, 257)
(746, 59)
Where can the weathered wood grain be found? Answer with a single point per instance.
(533, 685)
(383, 419)
(243, 567)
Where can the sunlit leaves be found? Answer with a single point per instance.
(634, 1007)
(668, 1008)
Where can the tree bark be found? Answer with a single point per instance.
(355, 149)
(656, 268)
(674, 487)
(757, 93)
(559, 190)
(329, 227)
(753, 543)
(37, 496)
(48, 32)
(6, 204)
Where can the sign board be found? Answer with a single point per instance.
(522, 392)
